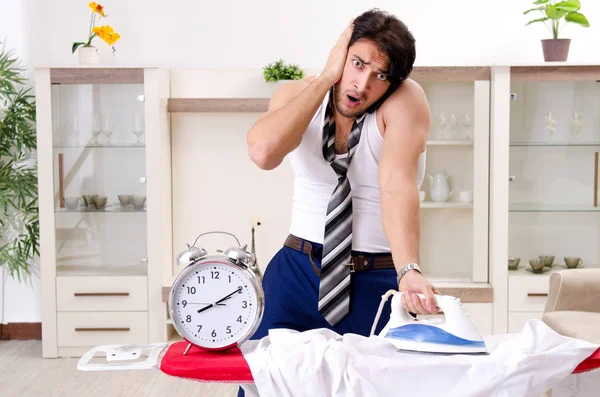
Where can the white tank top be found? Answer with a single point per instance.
(314, 181)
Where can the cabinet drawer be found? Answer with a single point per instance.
(517, 320)
(527, 293)
(101, 294)
(101, 328)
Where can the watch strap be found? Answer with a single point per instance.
(408, 268)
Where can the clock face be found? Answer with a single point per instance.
(214, 304)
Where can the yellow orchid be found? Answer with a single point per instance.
(105, 32)
(97, 8)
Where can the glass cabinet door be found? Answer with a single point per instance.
(554, 216)
(454, 192)
(99, 159)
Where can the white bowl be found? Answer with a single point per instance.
(72, 202)
(138, 202)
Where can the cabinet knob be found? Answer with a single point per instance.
(513, 96)
(512, 178)
(142, 179)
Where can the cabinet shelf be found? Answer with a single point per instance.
(459, 142)
(109, 208)
(447, 204)
(553, 144)
(532, 207)
(115, 146)
(523, 272)
(132, 270)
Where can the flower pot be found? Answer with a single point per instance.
(88, 55)
(556, 50)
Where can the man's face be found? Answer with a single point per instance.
(364, 79)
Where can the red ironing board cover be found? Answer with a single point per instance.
(589, 364)
(230, 365)
(198, 364)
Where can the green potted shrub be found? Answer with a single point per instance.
(19, 221)
(280, 70)
(553, 13)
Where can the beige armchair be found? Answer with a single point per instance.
(573, 305)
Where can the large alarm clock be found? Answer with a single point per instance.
(216, 302)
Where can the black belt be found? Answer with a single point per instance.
(358, 262)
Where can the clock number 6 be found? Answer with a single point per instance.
(214, 333)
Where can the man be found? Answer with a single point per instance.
(355, 136)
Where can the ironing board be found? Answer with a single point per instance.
(231, 367)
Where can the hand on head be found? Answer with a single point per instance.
(337, 56)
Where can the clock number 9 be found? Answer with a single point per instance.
(184, 303)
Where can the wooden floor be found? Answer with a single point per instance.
(24, 373)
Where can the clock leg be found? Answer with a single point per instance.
(187, 349)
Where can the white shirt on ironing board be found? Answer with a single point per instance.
(314, 181)
(321, 362)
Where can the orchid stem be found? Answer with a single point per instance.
(91, 27)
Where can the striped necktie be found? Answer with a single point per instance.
(334, 287)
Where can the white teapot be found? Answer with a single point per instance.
(440, 187)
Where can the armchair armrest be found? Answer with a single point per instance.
(574, 290)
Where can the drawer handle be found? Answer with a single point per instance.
(101, 329)
(101, 294)
(534, 294)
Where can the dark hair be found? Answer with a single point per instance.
(394, 39)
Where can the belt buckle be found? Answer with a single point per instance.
(351, 265)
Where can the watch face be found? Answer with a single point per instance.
(214, 304)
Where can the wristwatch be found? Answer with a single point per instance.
(406, 269)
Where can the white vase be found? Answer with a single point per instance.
(88, 55)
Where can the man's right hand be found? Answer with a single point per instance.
(337, 56)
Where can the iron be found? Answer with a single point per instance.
(455, 333)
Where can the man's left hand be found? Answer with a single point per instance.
(413, 283)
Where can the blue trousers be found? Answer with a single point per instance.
(291, 288)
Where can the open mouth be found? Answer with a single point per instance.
(353, 99)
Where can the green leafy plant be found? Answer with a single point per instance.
(19, 216)
(280, 70)
(553, 13)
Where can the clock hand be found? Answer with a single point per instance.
(220, 300)
(206, 307)
(228, 296)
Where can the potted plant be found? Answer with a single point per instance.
(553, 13)
(280, 70)
(19, 221)
(88, 54)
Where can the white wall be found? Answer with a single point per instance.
(248, 34)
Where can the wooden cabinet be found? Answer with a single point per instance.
(544, 185)
(105, 208)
